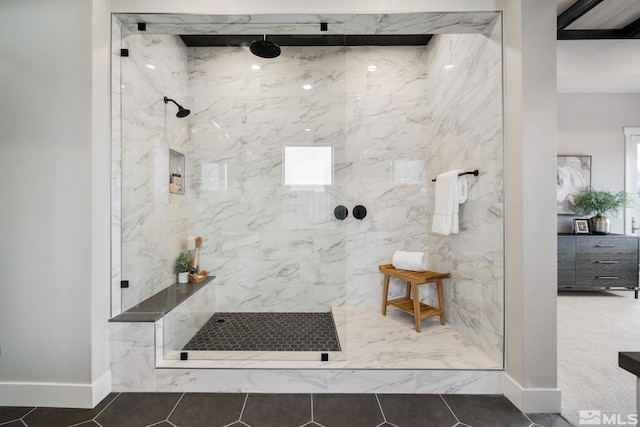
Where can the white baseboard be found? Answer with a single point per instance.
(100, 388)
(532, 400)
(56, 395)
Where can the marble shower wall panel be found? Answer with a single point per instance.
(154, 222)
(386, 154)
(465, 112)
(132, 356)
(278, 246)
(415, 23)
(269, 241)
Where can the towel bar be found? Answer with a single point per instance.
(473, 172)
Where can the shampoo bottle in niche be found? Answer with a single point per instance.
(172, 182)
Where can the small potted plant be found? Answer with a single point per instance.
(182, 266)
(599, 203)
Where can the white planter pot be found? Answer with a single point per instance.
(183, 277)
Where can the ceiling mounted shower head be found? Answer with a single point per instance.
(264, 48)
(182, 112)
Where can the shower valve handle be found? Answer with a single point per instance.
(341, 212)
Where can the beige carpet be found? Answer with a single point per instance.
(592, 328)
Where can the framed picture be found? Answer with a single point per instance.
(574, 174)
(581, 226)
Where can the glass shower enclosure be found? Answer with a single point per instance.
(260, 160)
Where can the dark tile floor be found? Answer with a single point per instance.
(284, 410)
(267, 332)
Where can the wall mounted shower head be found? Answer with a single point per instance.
(264, 48)
(182, 112)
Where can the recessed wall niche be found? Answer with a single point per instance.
(177, 172)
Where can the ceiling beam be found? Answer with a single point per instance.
(588, 34)
(631, 30)
(575, 12)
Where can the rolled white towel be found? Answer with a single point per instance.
(191, 243)
(414, 261)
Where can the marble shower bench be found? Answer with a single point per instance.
(156, 306)
(140, 337)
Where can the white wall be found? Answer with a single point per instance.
(604, 66)
(46, 301)
(531, 134)
(591, 124)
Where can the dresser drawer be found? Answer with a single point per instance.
(607, 245)
(604, 279)
(607, 261)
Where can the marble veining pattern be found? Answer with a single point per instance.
(243, 119)
(153, 222)
(467, 125)
(415, 23)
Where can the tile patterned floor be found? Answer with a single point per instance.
(267, 332)
(284, 410)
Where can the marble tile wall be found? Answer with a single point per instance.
(269, 235)
(465, 128)
(394, 117)
(263, 235)
(153, 222)
(386, 163)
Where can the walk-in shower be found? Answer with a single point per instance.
(364, 111)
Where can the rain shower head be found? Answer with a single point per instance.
(182, 112)
(264, 48)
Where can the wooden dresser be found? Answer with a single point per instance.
(597, 262)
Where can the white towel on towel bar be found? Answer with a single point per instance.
(451, 191)
(414, 261)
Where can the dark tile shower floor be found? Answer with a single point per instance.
(284, 410)
(267, 332)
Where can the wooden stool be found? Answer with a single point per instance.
(407, 304)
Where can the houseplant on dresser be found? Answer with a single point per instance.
(600, 203)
